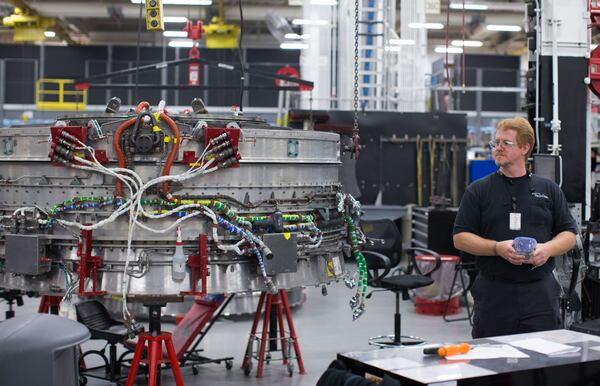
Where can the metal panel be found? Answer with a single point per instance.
(285, 252)
(25, 255)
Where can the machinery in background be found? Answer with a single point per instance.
(27, 26)
(430, 147)
(93, 205)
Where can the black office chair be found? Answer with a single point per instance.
(383, 250)
(96, 318)
(466, 265)
(381, 259)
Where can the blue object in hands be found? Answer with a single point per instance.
(524, 245)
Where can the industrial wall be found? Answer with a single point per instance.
(21, 65)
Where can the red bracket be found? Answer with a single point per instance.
(61, 136)
(88, 265)
(199, 266)
(100, 156)
(233, 135)
(189, 157)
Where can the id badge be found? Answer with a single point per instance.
(514, 221)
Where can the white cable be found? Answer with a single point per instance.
(23, 209)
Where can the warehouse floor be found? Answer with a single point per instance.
(324, 326)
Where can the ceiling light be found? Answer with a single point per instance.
(467, 43)
(392, 48)
(181, 43)
(402, 42)
(295, 36)
(293, 46)
(49, 34)
(505, 28)
(470, 7)
(309, 22)
(175, 19)
(450, 50)
(426, 25)
(323, 2)
(178, 2)
(175, 34)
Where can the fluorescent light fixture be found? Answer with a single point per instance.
(467, 43)
(175, 34)
(426, 25)
(505, 28)
(181, 43)
(450, 50)
(175, 19)
(393, 48)
(323, 2)
(293, 46)
(470, 6)
(294, 36)
(402, 42)
(49, 34)
(178, 2)
(309, 22)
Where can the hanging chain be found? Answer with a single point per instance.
(355, 137)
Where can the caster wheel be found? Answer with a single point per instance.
(82, 380)
(268, 358)
(229, 364)
(194, 370)
(248, 368)
(290, 369)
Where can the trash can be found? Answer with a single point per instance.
(431, 300)
(40, 349)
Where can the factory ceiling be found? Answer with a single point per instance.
(116, 21)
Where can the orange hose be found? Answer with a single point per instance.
(143, 105)
(172, 154)
(120, 156)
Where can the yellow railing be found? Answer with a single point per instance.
(59, 95)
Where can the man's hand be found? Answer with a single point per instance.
(505, 250)
(541, 255)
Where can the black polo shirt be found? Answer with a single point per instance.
(485, 209)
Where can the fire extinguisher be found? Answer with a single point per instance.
(194, 67)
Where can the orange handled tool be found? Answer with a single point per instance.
(448, 350)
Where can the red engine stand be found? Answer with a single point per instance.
(154, 352)
(49, 304)
(281, 302)
(199, 267)
(155, 358)
(88, 265)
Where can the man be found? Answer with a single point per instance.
(514, 293)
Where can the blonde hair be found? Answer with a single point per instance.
(525, 133)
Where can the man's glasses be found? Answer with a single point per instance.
(506, 143)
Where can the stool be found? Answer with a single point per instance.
(155, 339)
(401, 284)
(274, 316)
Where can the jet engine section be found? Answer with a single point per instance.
(154, 203)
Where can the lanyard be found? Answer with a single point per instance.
(513, 196)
